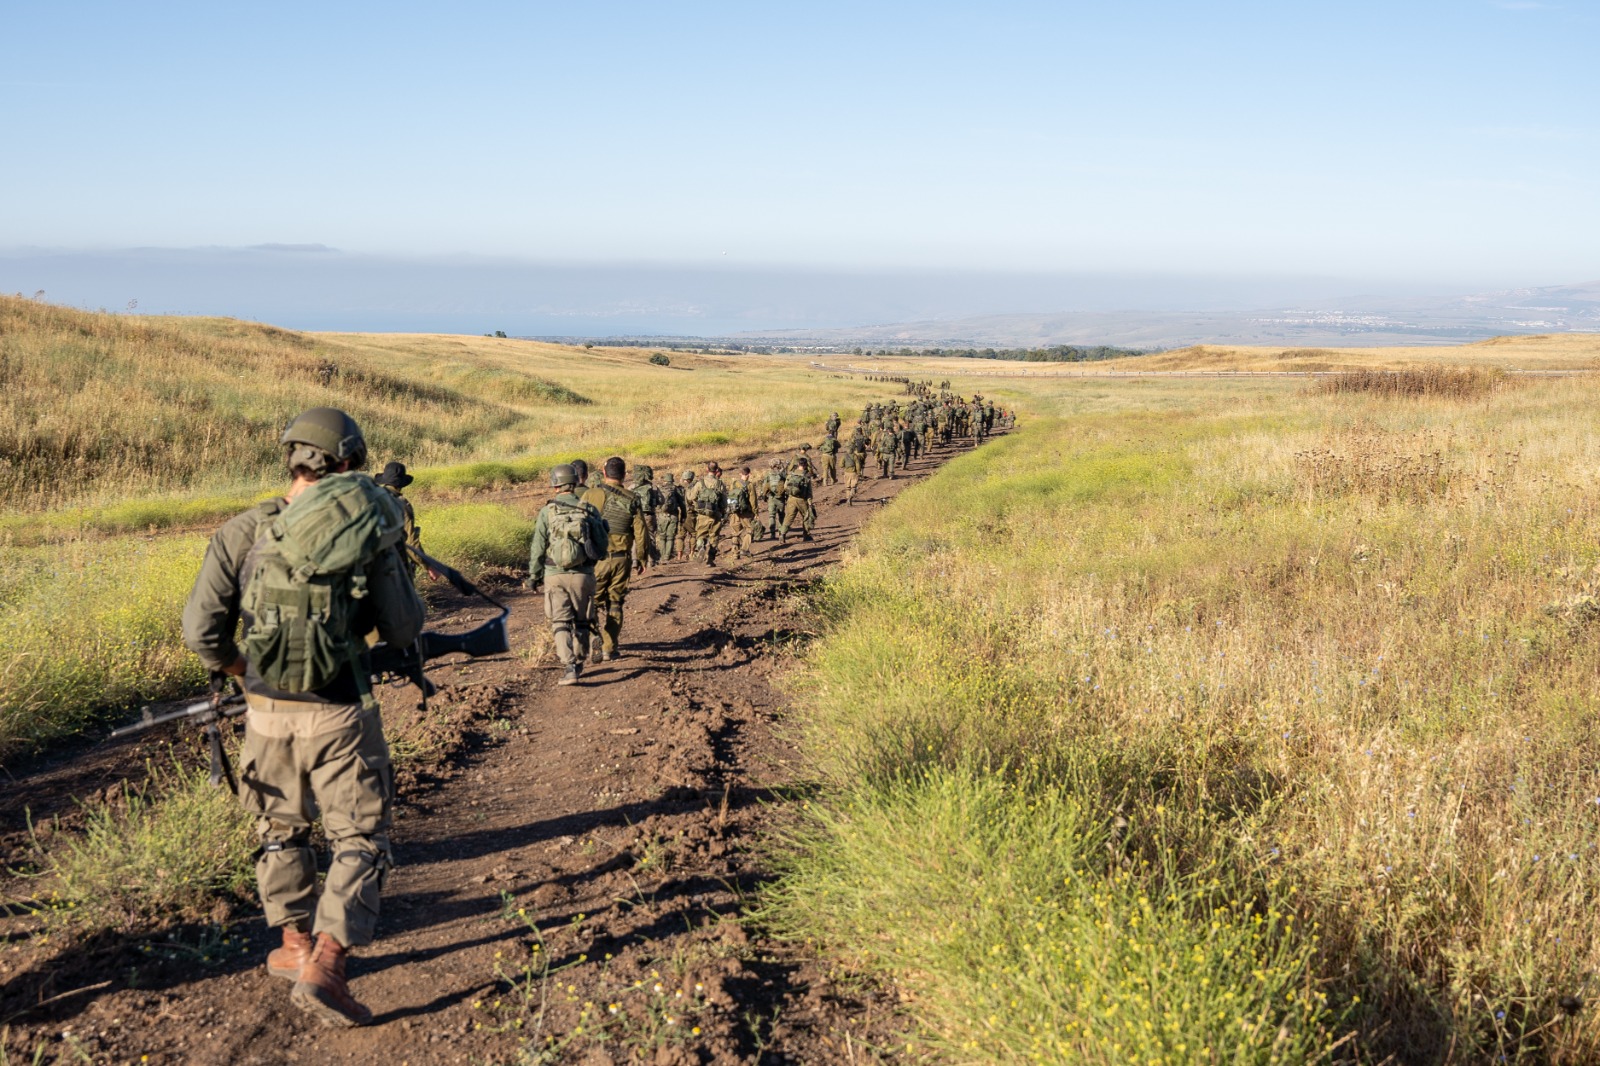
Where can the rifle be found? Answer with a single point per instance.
(487, 639)
(208, 712)
(409, 662)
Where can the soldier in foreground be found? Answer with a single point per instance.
(624, 518)
(313, 733)
(569, 536)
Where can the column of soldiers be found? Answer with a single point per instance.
(320, 754)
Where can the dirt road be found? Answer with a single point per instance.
(573, 866)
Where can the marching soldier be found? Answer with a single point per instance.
(741, 512)
(669, 516)
(624, 518)
(830, 456)
(709, 500)
(319, 752)
(772, 491)
(569, 537)
(645, 552)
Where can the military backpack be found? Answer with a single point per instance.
(708, 499)
(305, 577)
(570, 546)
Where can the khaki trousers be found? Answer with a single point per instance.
(568, 604)
(610, 591)
(830, 469)
(852, 481)
(299, 759)
(707, 531)
(740, 528)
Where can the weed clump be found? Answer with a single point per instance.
(167, 850)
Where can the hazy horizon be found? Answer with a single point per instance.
(320, 288)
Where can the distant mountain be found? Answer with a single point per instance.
(1357, 321)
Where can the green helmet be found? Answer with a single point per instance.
(666, 479)
(562, 474)
(329, 430)
(688, 475)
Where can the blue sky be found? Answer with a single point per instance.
(1451, 141)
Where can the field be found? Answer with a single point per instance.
(116, 431)
(1198, 720)
(1240, 723)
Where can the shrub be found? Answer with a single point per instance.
(659, 359)
(165, 850)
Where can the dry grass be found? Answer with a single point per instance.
(1335, 651)
(96, 409)
(1420, 382)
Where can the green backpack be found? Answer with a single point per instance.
(306, 572)
(797, 484)
(570, 547)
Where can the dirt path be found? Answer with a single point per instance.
(571, 877)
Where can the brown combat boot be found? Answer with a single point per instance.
(322, 991)
(289, 960)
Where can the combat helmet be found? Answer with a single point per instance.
(331, 431)
(562, 475)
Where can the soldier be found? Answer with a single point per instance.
(741, 512)
(645, 551)
(853, 462)
(772, 491)
(394, 478)
(883, 444)
(908, 443)
(830, 457)
(569, 536)
(833, 424)
(669, 516)
(709, 501)
(624, 518)
(321, 750)
(686, 529)
(797, 508)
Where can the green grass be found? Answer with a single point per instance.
(1370, 710)
(1033, 936)
(474, 537)
(166, 852)
(85, 628)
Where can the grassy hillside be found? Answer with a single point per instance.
(123, 439)
(1224, 722)
(96, 409)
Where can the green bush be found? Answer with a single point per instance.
(660, 359)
